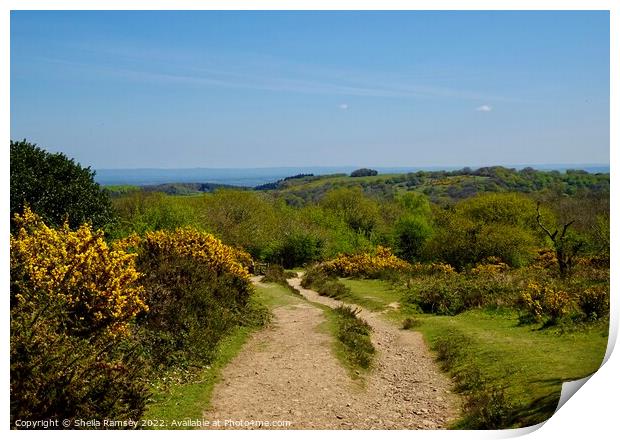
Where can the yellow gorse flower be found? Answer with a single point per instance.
(78, 268)
(366, 264)
(189, 242)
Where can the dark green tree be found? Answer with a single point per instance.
(364, 172)
(56, 187)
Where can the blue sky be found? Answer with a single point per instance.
(258, 89)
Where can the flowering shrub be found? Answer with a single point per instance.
(244, 258)
(545, 259)
(97, 286)
(200, 246)
(594, 302)
(72, 302)
(432, 268)
(370, 265)
(198, 289)
(544, 300)
(491, 266)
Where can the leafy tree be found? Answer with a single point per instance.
(410, 235)
(363, 172)
(413, 227)
(141, 211)
(358, 211)
(241, 218)
(489, 225)
(56, 188)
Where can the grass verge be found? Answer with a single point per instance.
(511, 375)
(180, 401)
(352, 345)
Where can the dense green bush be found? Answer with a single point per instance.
(326, 285)
(453, 293)
(244, 219)
(190, 310)
(411, 234)
(295, 249)
(56, 188)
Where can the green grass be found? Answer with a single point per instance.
(179, 401)
(374, 295)
(511, 374)
(274, 295)
(528, 364)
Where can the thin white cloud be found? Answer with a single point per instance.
(343, 106)
(289, 78)
(484, 108)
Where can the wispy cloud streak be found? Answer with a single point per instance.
(285, 78)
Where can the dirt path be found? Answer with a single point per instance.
(288, 372)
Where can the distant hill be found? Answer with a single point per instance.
(169, 188)
(446, 186)
(252, 177)
(439, 186)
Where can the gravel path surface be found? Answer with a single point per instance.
(288, 372)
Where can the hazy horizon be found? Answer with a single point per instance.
(247, 89)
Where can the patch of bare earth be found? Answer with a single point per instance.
(288, 372)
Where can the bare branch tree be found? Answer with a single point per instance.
(563, 251)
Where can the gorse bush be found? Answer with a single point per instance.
(73, 351)
(333, 288)
(314, 276)
(431, 269)
(276, 274)
(97, 286)
(198, 290)
(492, 266)
(488, 408)
(369, 265)
(89, 322)
(594, 302)
(191, 309)
(544, 302)
(189, 242)
(443, 295)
